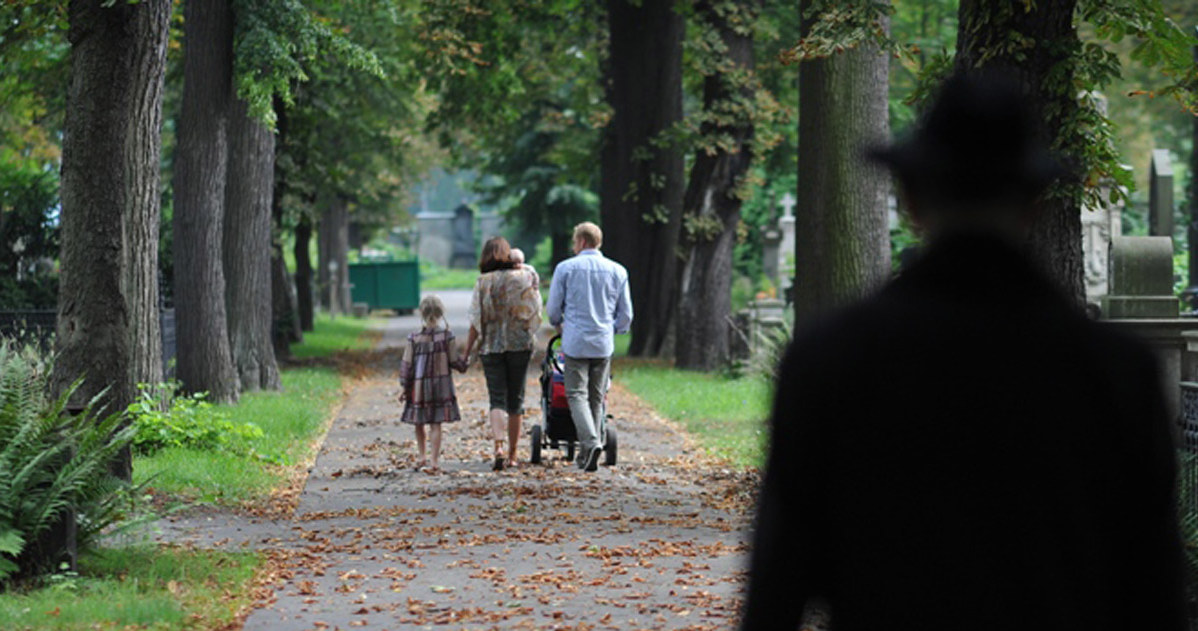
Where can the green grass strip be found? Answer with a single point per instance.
(333, 335)
(136, 588)
(726, 415)
(290, 421)
(445, 278)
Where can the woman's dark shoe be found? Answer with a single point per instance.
(498, 464)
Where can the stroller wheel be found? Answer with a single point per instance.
(610, 447)
(535, 448)
(570, 451)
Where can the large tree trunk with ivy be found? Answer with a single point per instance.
(842, 240)
(247, 248)
(204, 360)
(711, 207)
(1046, 69)
(642, 184)
(108, 292)
(305, 301)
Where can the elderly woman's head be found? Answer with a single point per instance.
(497, 254)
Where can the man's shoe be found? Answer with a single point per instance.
(592, 460)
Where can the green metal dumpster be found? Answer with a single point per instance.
(389, 285)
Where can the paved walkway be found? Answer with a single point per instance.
(657, 541)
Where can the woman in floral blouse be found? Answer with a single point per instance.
(505, 313)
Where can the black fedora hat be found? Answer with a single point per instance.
(978, 143)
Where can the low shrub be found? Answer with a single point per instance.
(52, 462)
(162, 417)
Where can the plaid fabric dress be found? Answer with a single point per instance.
(425, 376)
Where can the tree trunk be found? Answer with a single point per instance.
(285, 324)
(108, 291)
(204, 359)
(642, 185)
(247, 248)
(560, 248)
(334, 256)
(1046, 71)
(842, 239)
(711, 208)
(303, 275)
(144, 157)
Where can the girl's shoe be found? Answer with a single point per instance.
(498, 464)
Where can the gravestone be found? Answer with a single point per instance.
(786, 247)
(1141, 279)
(464, 249)
(434, 235)
(1160, 194)
(1099, 225)
(771, 240)
(1141, 301)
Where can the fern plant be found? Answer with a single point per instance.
(51, 462)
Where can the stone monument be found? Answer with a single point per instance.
(1099, 226)
(434, 237)
(1141, 279)
(465, 253)
(1160, 194)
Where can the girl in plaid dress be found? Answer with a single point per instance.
(424, 374)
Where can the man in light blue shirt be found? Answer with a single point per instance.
(588, 302)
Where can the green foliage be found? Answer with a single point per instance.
(162, 417)
(274, 40)
(771, 345)
(28, 234)
(352, 133)
(291, 422)
(52, 461)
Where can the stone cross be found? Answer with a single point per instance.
(788, 205)
(1160, 194)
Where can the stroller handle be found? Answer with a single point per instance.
(551, 356)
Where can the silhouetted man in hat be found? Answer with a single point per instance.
(965, 450)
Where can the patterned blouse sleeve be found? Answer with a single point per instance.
(534, 323)
(475, 312)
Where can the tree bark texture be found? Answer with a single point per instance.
(204, 360)
(303, 275)
(108, 306)
(334, 256)
(842, 238)
(642, 184)
(144, 157)
(711, 209)
(1045, 65)
(246, 249)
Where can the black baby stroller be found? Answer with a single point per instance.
(557, 425)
